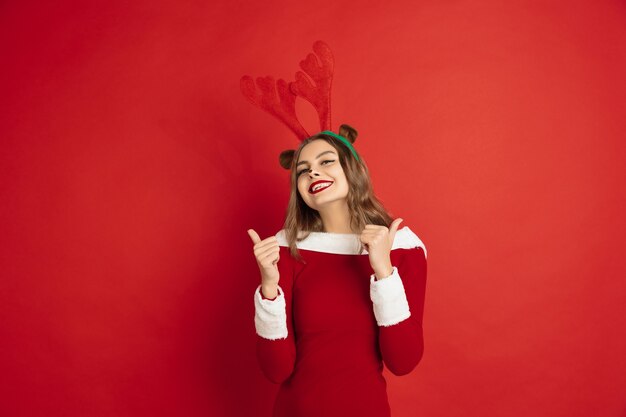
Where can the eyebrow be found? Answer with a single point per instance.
(306, 162)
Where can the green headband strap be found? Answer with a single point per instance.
(344, 140)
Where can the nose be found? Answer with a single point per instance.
(313, 174)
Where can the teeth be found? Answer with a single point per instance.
(318, 186)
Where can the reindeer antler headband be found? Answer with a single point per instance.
(318, 95)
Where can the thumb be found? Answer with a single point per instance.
(394, 228)
(254, 236)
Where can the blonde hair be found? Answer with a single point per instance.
(363, 205)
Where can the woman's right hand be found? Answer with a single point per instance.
(267, 255)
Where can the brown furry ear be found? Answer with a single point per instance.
(348, 132)
(286, 158)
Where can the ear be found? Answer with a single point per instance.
(348, 132)
(286, 158)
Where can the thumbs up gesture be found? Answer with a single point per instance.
(267, 255)
(378, 240)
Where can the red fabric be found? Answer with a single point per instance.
(332, 360)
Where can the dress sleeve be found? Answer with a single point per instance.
(276, 351)
(399, 308)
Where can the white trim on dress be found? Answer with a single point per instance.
(348, 243)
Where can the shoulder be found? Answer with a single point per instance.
(407, 239)
(282, 238)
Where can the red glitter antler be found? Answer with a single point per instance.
(322, 74)
(285, 109)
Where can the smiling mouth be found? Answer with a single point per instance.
(320, 187)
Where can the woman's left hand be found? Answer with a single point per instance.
(378, 241)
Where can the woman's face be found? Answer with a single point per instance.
(319, 175)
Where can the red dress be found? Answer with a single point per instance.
(326, 335)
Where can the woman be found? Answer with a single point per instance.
(351, 291)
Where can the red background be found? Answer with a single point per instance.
(132, 166)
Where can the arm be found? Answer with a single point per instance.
(276, 351)
(398, 307)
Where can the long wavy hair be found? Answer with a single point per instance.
(363, 205)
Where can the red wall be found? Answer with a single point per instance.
(132, 166)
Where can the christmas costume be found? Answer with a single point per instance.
(326, 335)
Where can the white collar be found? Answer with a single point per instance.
(348, 243)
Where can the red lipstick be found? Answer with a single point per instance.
(320, 189)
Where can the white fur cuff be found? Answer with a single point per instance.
(270, 316)
(390, 303)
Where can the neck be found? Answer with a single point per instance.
(336, 218)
